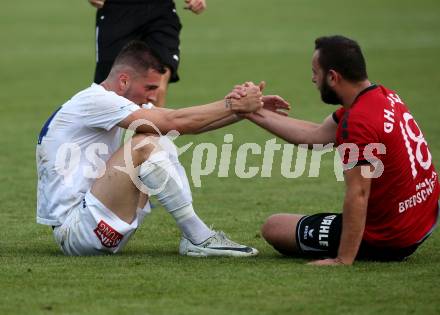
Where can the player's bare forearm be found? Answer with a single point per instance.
(354, 215)
(231, 119)
(227, 115)
(184, 120)
(353, 219)
(191, 119)
(286, 128)
(353, 224)
(293, 130)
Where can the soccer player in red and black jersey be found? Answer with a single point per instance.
(392, 190)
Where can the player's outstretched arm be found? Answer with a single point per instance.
(294, 130)
(192, 119)
(272, 102)
(231, 119)
(273, 118)
(353, 217)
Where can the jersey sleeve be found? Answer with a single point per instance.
(338, 114)
(359, 140)
(107, 110)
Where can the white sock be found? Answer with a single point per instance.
(162, 180)
(160, 171)
(192, 227)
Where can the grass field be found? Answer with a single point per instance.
(47, 55)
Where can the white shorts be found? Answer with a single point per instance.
(92, 229)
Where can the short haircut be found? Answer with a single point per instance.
(342, 55)
(139, 56)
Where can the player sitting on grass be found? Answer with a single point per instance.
(391, 198)
(94, 209)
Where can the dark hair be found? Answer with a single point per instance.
(342, 55)
(140, 57)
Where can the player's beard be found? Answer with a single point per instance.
(328, 95)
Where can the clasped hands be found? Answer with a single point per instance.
(247, 99)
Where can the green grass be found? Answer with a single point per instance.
(47, 55)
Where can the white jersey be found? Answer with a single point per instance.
(73, 147)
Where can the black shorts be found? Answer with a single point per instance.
(153, 21)
(318, 235)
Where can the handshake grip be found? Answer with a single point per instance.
(251, 102)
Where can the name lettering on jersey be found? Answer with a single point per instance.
(324, 229)
(394, 98)
(108, 236)
(424, 190)
(388, 125)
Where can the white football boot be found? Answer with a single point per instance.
(217, 245)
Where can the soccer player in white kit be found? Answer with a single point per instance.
(92, 195)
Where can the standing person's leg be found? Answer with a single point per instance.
(102, 69)
(156, 23)
(106, 36)
(163, 88)
(162, 34)
(116, 24)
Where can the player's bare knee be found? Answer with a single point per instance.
(270, 228)
(143, 145)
